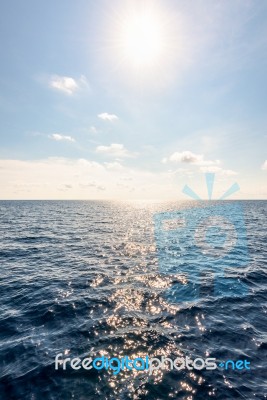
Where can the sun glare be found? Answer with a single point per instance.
(142, 39)
(144, 44)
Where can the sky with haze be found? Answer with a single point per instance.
(132, 99)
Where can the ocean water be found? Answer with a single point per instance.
(83, 277)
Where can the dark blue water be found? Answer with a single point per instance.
(83, 278)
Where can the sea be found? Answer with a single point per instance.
(83, 279)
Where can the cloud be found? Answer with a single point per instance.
(186, 157)
(65, 178)
(264, 166)
(92, 185)
(114, 150)
(113, 165)
(86, 179)
(61, 138)
(66, 84)
(219, 171)
(189, 157)
(108, 117)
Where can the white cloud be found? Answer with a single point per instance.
(189, 157)
(113, 165)
(219, 171)
(59, 138)
(92, 185)
(186, 157)
(114, 150)
(66, 84)
(108, 117)
(63, 178)
(264, 166)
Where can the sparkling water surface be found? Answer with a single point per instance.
(82, 277)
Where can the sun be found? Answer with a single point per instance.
(142, 39)
(143, 44)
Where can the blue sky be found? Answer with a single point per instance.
(94, 107)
